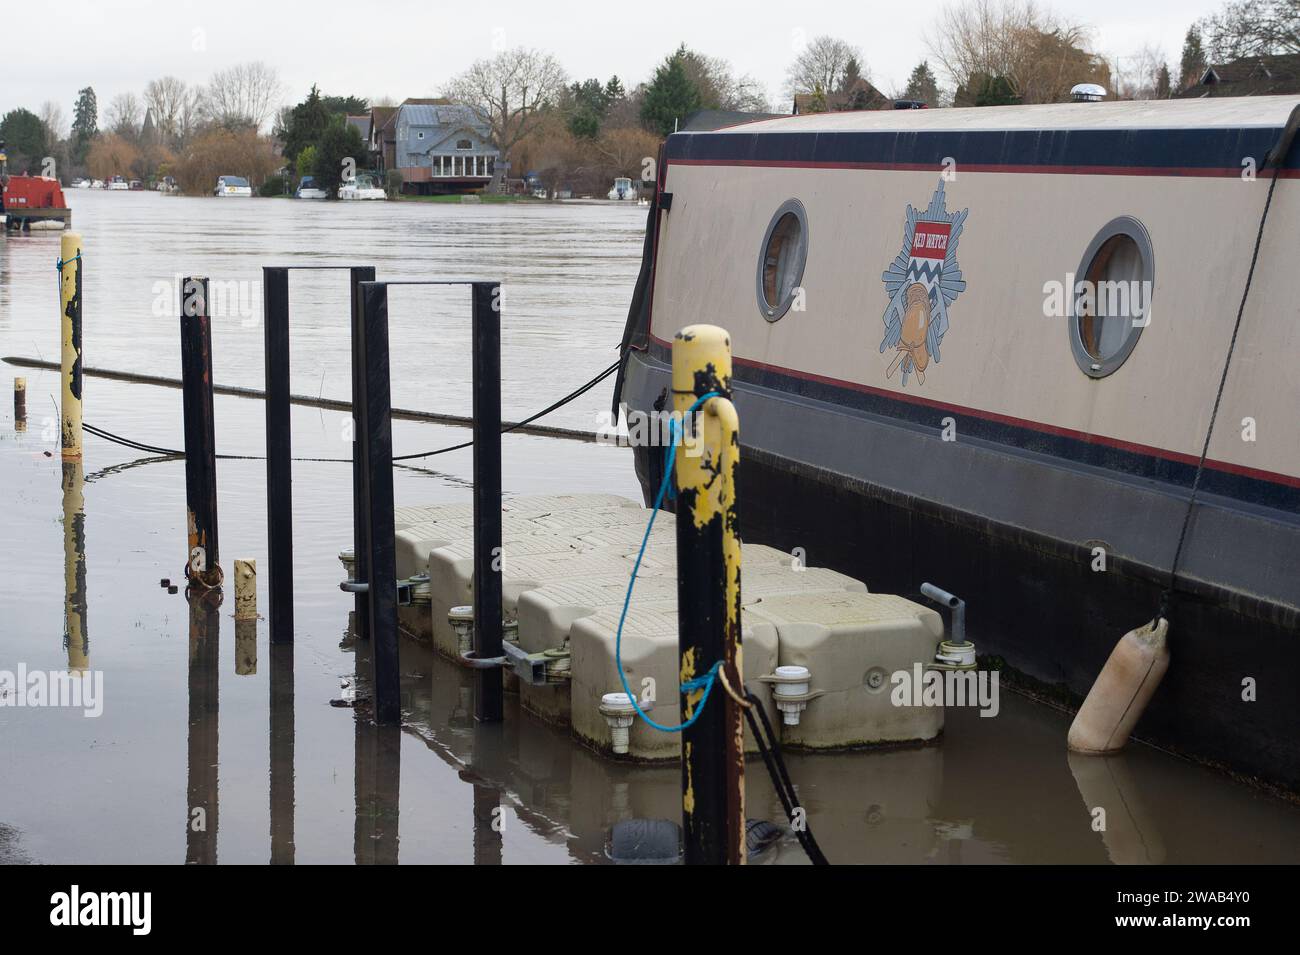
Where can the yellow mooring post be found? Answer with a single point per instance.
(70, 308)
(75, 636)
(708, 596)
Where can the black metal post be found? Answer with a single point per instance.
(204, 712)
(376, 442)
(486, 339)
(279, 474)
(200, 436)
(281, 756)
(360, 545)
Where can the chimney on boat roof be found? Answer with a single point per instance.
(1087, 93)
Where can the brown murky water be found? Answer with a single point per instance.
(199, 717)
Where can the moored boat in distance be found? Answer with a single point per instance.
(623, 190)
(232, 187)
(118, 184)
(307, 189)
(361, 187)
(983, 347)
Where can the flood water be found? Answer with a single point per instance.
(199, 717)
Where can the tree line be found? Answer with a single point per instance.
(582, 133)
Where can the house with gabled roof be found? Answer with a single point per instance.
(1248, 76)
(441, 147)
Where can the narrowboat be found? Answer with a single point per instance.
(33, 202)
(984, 347)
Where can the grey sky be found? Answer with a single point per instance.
(402, 48)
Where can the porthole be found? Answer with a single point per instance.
(781, 259)
(1110, 303)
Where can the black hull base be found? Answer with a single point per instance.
(1041, 612)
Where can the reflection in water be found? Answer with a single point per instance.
(76, 640)
(281, 733)
(205, 646)
(1130, 833)
(246, 647)
(487, 821)
(377, 771)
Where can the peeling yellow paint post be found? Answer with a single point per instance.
(708, 588)
(70, 308)
(75, 638)
(245, 617)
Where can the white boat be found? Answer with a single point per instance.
(81, 184)
(623, 190)
(307, 189)
(97, 184)
(361, 187)
(232, 187)
(118, 184)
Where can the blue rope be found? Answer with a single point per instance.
(707, 680)
(60, 264)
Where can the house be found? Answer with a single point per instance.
(442, 147)
(1248, 76)
(859, 95)
(383, 136)
(361, 124)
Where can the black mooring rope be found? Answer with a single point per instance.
(1275, 160)
(770, 750)
(172, 452)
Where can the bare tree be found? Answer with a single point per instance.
(721, 88)
(167, 98)
(244, 95)
(1253, 28)
(1038, 55)
(507, 91)
(124, 115)
(1137, 76)
(822, 65)
(52, 117)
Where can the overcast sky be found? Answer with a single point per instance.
(400, 48)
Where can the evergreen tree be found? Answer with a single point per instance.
(670, 96)
(85, 124)
(1193, 63)
(614, 91)
(1162, 82)
(339, 143)
(922, 85)
(25, 139)
(852, 73)
(308, 122)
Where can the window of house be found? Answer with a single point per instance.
(464, 144)
(1111, 300)
(420, 134)
(781, 261)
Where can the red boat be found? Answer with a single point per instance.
(33, 202)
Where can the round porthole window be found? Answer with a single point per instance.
(1110, 303)
(781, 259)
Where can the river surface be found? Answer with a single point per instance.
(225, 749)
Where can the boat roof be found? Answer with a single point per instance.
(1217, 112)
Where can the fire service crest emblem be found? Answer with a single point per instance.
(922, 281)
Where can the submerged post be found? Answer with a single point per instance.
(375, 442)
(486, 338)
(360, 545)
(279, 475)
(20, 404)
(708, 597)
(70, 308)
(203, 568)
